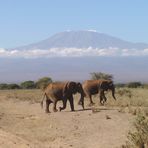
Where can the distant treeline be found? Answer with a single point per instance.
(132, 85)
(43, 82)
(40, 84)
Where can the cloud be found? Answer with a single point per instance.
(92, 30)
(71, 52)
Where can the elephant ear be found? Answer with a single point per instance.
(104, 85)
(69, 88)
(110, 83)
(79, 87)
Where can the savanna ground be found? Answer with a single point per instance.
(23, 124)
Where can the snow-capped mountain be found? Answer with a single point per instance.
(83, 39)
(75, 54)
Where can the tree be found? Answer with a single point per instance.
(3, 86)
(134, 84)
(9, 86)
(28, 85)
(13, 86)
(120, 85)
(43, 82)
(100, 75)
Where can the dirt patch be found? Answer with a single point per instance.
(8, 140)
(25, 125)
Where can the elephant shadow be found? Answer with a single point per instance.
(80, 110)
(98, 109)
(86, 109)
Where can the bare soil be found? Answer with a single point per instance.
(23, 124)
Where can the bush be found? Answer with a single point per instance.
(13, 86)
(100, 75)
(43, 82)
(28, 85)
(125, 92)
(138, 138)
(134, 85)
(3, 86)
(120, 85)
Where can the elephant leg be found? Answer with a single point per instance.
(91, 102)
(80, 102)
(64, 104)
(54, 106)
(105, 99)
(71, 103)
(47, 105)
(102, 98)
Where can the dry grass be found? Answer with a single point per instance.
(31, 95)
(131, 98)
(138, 136)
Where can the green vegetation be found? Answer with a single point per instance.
(4, 86)
(43, 82)
(28, 85)
(120, 85)
(40, 84)
(134, 84)
(100, 75)
(13, 86)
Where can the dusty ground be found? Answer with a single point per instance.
(25, 125)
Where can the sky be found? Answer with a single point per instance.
(27, 21)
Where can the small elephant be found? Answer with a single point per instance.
(92, 87)
(62, 91)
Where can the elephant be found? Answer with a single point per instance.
(92, 87)
(62, 91)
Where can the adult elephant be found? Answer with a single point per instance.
(62, 91)
(92, 87)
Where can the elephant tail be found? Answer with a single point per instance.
(43, 100)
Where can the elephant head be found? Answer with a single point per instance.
(70, 88)
(108, 85)
(73, 88)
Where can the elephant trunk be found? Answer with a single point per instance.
(113, 93)
(82, 100)
(81, 92)
(43, 100)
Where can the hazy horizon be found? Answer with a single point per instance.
(124, 69)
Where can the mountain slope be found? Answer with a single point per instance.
(83, 39)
